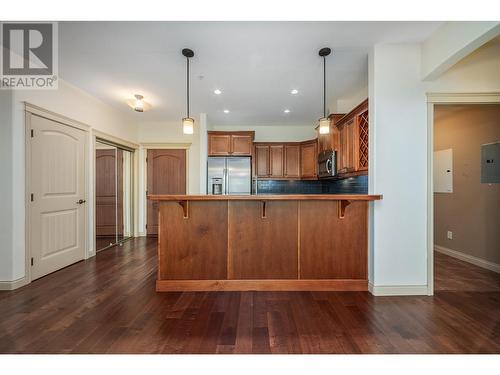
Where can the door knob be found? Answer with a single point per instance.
(81, 201)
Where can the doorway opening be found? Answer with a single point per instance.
(466, 192)
(113, 194)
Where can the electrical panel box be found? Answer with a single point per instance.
(490, 163)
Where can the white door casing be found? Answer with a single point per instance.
(57, 220)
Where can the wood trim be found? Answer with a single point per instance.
(261, 285)
(361, 107)
(239, 132)
(288, 197)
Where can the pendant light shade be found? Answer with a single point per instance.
(187, 122)
(187, 125)
(324, 122)
(324, 125)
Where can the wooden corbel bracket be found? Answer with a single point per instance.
(341, 208)
(185, 208)
(263, 216)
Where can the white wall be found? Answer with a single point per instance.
(345, 105)
(71, 102)
(274, 133)
(398, 166)
(6, 187)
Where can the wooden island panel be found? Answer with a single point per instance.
(331, 247)
(262, 239)
(192, 247)
(237, 243)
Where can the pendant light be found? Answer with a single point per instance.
(324, 122)
(187, 122)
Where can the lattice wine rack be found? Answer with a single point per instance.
(363, 140)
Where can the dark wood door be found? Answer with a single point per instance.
(292, 161)
(166, 174)
(276, 161)
(109, 194)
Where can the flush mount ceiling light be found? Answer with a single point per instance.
(217, 92)
(286, 111)
(226, 111)
(138, 104)
(294, 92)
(324, 123)
(187, 122)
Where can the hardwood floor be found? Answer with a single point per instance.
(108, 305)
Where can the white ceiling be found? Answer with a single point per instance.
(255, 64)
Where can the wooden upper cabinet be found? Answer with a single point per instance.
(219, 144)
(309, 159)
(352, 151)
(276, 161)
(292, 161)
(261, 156)
(241, 144)
(347, 147)
(230, 143)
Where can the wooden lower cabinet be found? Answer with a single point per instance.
(262, 245)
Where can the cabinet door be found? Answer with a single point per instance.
(308, 160)
(241, 145)
(292, 161)
(262, 161)
(346, 157)
(219, 144)
(276, 161)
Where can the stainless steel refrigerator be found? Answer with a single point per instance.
(231, 175)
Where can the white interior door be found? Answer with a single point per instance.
(57, 211)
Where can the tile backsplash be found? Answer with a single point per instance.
(351, 185)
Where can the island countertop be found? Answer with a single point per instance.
(267, 197)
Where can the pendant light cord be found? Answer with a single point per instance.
(324, 86)
(187, 83)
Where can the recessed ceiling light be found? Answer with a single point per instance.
(217, 92)
(226, 111)
(286, 111)
(294, 91)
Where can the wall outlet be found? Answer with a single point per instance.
(449, 234)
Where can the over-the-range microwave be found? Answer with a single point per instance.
(327, 164)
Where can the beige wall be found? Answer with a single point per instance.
(472, 211)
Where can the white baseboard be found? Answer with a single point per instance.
(11, 285)
(398, 290)
(469, 258)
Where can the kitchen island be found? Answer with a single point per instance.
(262, 242)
